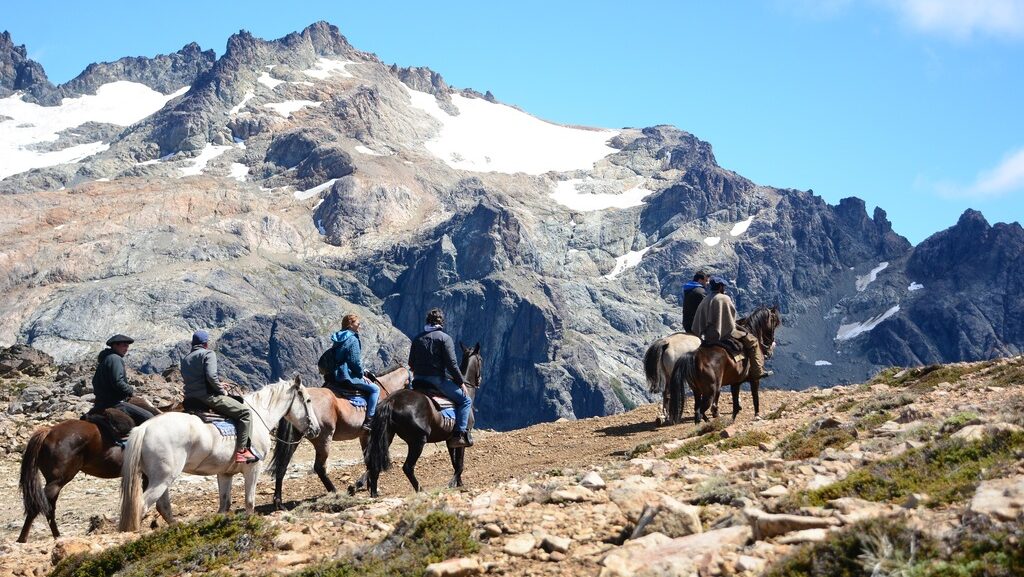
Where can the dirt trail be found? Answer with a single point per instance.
(496, 457)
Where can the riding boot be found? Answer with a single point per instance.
(755, 358)
(367, 423)
(460, 439)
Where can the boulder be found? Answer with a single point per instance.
(574, 493)
(656, 555)
(520, 545)
(999, 499)
(460, 567)
(25, 360)
(768, 525)
(592, 481)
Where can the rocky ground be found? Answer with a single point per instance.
(612, 495)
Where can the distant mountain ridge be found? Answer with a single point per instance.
(267, 192)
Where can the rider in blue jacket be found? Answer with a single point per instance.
(349, 364)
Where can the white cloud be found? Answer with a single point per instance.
(963, 18)
(1005, 178)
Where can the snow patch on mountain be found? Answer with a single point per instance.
(491, 137)
(864, 280)
(270, 82)
(712, 240)
(199, 163)
(741, 226)
(238, 171)
(626, 262)
(367, 151)
(915, 287)
(121, 103)
(288, 107)
(311, 192)
(249, 94)
(590, 194)
(324, 67)
(849, 331)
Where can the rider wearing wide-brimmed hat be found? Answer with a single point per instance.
(110, 381)
(715, 320)
(202, 384)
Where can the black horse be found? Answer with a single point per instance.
(411, 415)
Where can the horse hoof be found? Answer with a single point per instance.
(659, 422)
(757, 417)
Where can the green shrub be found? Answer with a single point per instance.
(693, 447)
(874, 547)
(716, 490)
(777, 413)
(416, 543)
(884, 403)
(947, 470)
(873, 420)
(958, 421)
(184, 548)
(745, 439)
(638, 450)
(803, 445)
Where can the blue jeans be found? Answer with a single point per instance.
(463, 404)
(371, 391)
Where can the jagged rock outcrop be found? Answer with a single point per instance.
(18, 71)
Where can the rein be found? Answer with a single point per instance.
(272, 432)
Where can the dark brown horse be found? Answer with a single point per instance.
(709, 368)
(339, 421)
(61, 451)
(411, 415)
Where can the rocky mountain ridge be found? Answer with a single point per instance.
(294, 180)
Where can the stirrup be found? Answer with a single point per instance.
(245, 456)
(460, 440)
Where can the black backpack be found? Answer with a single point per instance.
(327, 364)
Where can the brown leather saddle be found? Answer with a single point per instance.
(441, 402)
(112, 423)
(194, 407)
(733, 348)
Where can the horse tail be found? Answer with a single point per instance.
(682, 374)
(131, 481)
(32, 496)
(284, 448)
(377, 457)
(652, 366)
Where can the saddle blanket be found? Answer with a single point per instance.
(358, 402)
(226, 428)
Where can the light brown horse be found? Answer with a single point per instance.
(59, 453)
(710, 367)
(659, 361)
(339, 421)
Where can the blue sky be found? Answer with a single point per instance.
(912, 105)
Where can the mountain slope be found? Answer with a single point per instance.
(294, 180)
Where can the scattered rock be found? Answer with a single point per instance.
(768, 525)
(656, 555)
(916, 500)
(459, 567)
(1000, 499)
(553, 543)
(775, 491)
(292, 541)
(592, 481)
(804, 536)
(574, 493)
(67, 546)
(520, 545)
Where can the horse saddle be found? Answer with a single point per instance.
(194, 407)
(113, 423)
(344, 390)
(441, 402)
(731, 346)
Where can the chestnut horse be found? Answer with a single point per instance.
(710, 367)
(59, 453)
(412, 416)
(339, 421)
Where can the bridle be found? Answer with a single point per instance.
(306, 400)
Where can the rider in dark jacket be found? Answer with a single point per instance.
(110, 382)
(693, 293)
(349, 364)
(432, 360)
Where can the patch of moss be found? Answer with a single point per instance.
(693, 447)
(638, 450)
(745, 439)
(958, 421)
(184, 548)
(716, 490)
(873, 420)
(845, 405)
(417, 542)
(329, 503)
(1008, 374)
(885, 402)
(777, 413)
(874, 547)
(803, 445)
(923, 379)
(947, 470)
(983, 549)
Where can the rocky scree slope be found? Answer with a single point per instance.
(294, 180)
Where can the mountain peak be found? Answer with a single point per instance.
(18, 71)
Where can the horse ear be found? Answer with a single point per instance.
(465, 349)
(297, 381)
(476, 349)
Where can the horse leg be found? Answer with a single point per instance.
(23, 537)
(250, 475)
(224, 490)
(457, 456)
(323, 450)
(409, 468)
(754, 386)
(698, 401)
(163, 506)
(714, 404)
(735, 400)
(360, 483)
(52, 491)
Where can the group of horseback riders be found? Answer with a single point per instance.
(431, 360)
(713, 319)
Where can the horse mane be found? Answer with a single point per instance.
(758, 320)
(391, 369)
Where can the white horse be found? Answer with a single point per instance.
(660, 360)
(169, 444)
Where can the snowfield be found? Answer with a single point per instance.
(626, 262)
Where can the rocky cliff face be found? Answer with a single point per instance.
(295, 180)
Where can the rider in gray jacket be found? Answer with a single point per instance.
(199, 371)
